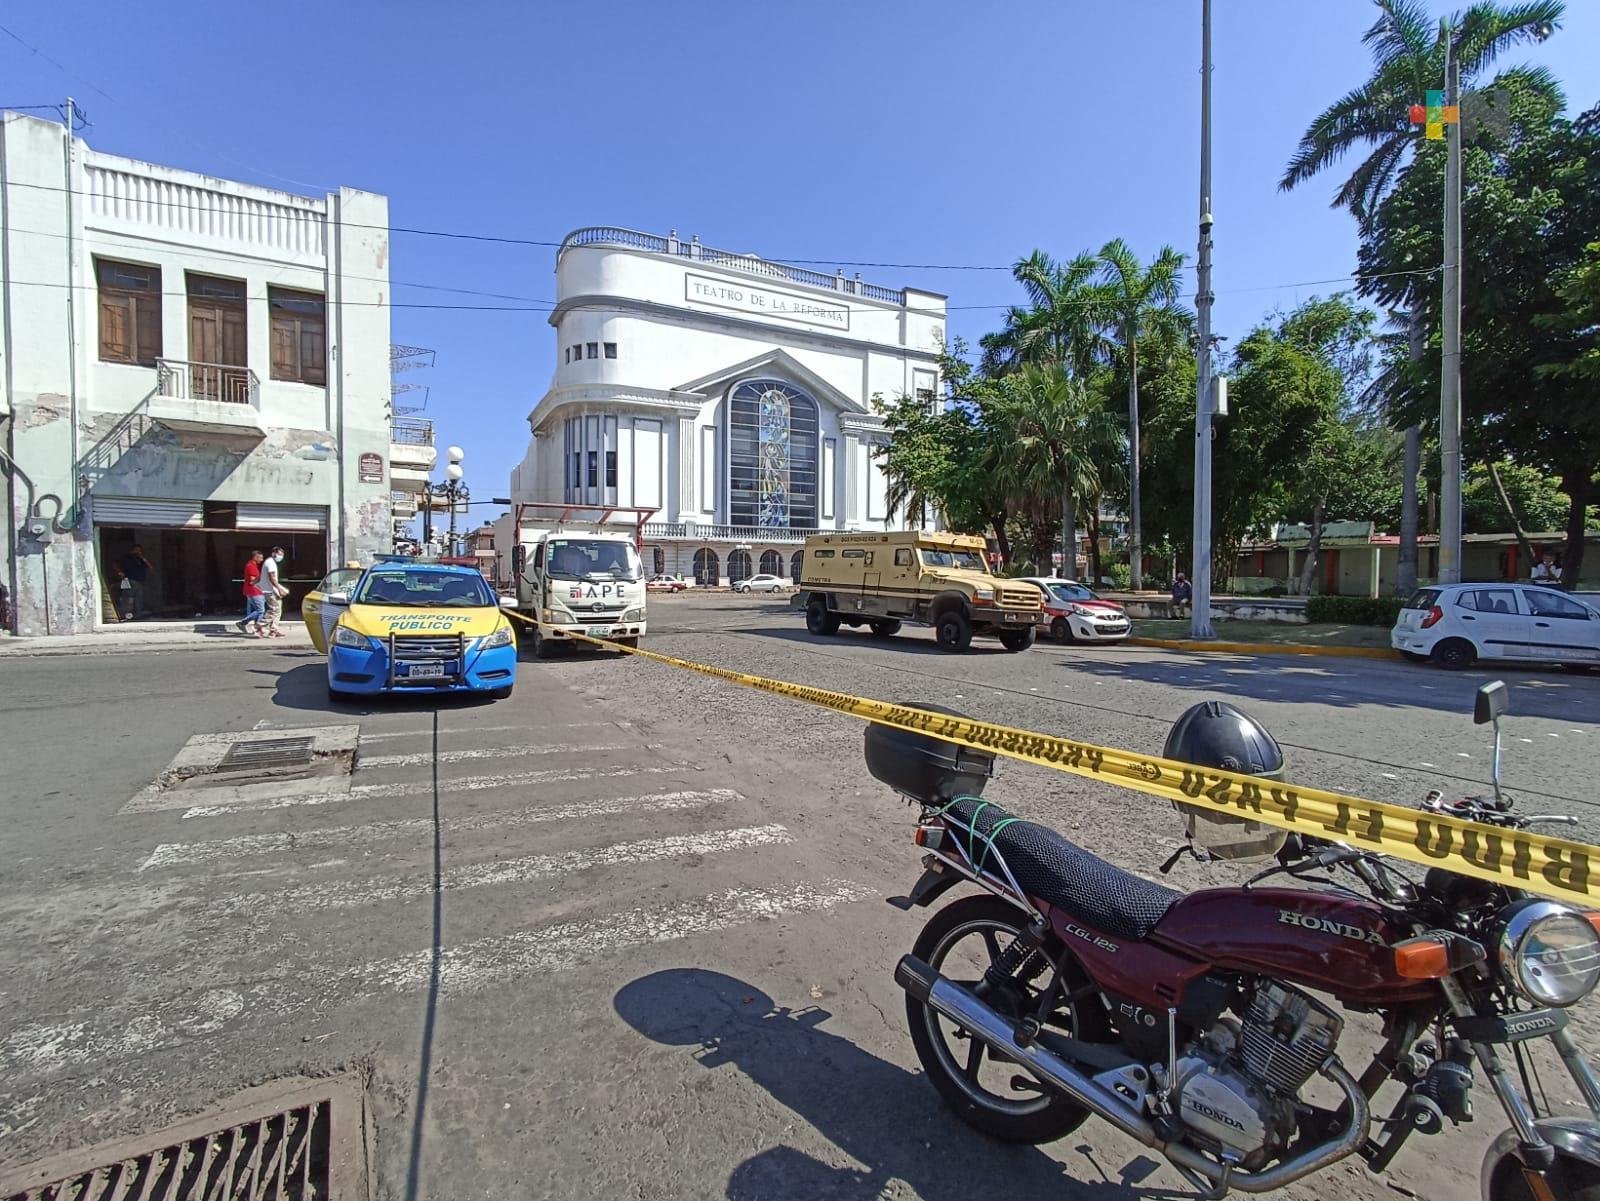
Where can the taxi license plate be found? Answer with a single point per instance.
(424, 671)
(598, 631)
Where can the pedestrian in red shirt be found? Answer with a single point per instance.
(255, 600)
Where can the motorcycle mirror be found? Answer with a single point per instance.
(1493, 702)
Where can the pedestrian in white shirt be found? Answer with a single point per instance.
(1546, 572)
(273, 592)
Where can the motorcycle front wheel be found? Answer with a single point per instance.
(960, 942)
(1571, 1180)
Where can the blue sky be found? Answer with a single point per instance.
(935, 132)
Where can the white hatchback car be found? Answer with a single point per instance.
(762, 583)
(1454, 625)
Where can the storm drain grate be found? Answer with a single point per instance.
(262, 754)
(283, 1157)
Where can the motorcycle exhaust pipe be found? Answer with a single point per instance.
(960, 1006)
(927, 986)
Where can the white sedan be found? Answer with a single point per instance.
(1454, 625)
(762, 583)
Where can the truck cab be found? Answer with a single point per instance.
(923, 577)
(578, 572)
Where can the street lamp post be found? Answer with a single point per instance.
(453, 492)
(1200, 582)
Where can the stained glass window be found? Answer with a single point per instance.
(772, 455)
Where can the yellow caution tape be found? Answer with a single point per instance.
(1538, 863)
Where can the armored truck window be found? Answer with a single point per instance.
(902, 557)
(822, 554)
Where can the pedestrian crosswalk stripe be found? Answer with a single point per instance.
(399, 788)
(419, 758)
(102, 1034)
(172, 854)
(520, 870)
(422, 732)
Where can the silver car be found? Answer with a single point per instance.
(762, 583)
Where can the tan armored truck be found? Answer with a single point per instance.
(930, 579)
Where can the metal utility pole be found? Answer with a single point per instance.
(1200, 582)
(1450, 378)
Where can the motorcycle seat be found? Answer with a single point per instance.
(1062, 874)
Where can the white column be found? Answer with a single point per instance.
(852, 479)
(687, 437)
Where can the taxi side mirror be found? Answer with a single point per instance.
(338, 598)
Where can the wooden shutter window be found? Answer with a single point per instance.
(130, 312)
(299, 336)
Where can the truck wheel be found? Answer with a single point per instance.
(631, 643)
(1017, 640)
(543, 648)
(954, 631)
(819, 620)
(885, 627)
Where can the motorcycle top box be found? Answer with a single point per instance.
(924, 768)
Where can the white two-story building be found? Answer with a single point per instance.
(191, 367)
(731, 395)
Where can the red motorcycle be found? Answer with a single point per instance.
(1070, 987)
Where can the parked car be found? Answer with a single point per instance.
(1454, 625)
(1076, 613)
(666, 583)
(762, 583)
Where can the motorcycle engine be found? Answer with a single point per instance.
(1238, 1084)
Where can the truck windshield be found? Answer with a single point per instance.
(966, 560)
(591, 559)
(424, 589)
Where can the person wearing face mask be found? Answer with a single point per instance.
(273, 590)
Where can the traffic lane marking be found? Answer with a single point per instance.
(520, 870)
(515, 751)
(401, 788)
(172, 854)
(88, 1037)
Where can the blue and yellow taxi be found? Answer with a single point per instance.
(413, 626)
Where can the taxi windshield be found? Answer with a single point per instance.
(1073, 592)
(423, 589)
(592, 559)
(965, 560)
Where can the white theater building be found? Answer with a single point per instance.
(732, 395)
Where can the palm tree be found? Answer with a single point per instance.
(1064, 322)
(1056, 437)
(1140, 302)
(1408, 57)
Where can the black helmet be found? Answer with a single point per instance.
(1215, 734)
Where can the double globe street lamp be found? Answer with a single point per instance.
(453, 492)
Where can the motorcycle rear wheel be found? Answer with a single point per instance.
(954, 1061)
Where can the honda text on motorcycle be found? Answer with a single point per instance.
(1207, 1026)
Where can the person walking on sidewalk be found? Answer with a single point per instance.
(274, 591)
(255, 601)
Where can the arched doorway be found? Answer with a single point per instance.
(795, 562)
(739, 566)
(706, 569)
(658, 561)
(771, 562)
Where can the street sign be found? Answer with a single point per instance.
(369, 468)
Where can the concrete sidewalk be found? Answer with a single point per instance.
(144, 636)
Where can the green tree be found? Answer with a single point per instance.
(1055, 440)
(1540, 505)
(1063, 323)
(1531, 208)
(1408, 58)
(1140, 303)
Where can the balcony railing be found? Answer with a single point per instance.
(694, 531)
(403, 503)
(412, 431)
(181, 380)
(632, 239)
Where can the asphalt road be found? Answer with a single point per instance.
(620, 935)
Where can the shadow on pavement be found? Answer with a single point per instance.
(905, 641)
(1351, 683)
(872, 1111)
(306, 688)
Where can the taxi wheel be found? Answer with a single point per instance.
(501, 694)
(338, 695)
(1061, 631)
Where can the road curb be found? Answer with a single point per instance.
(1269, 648)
